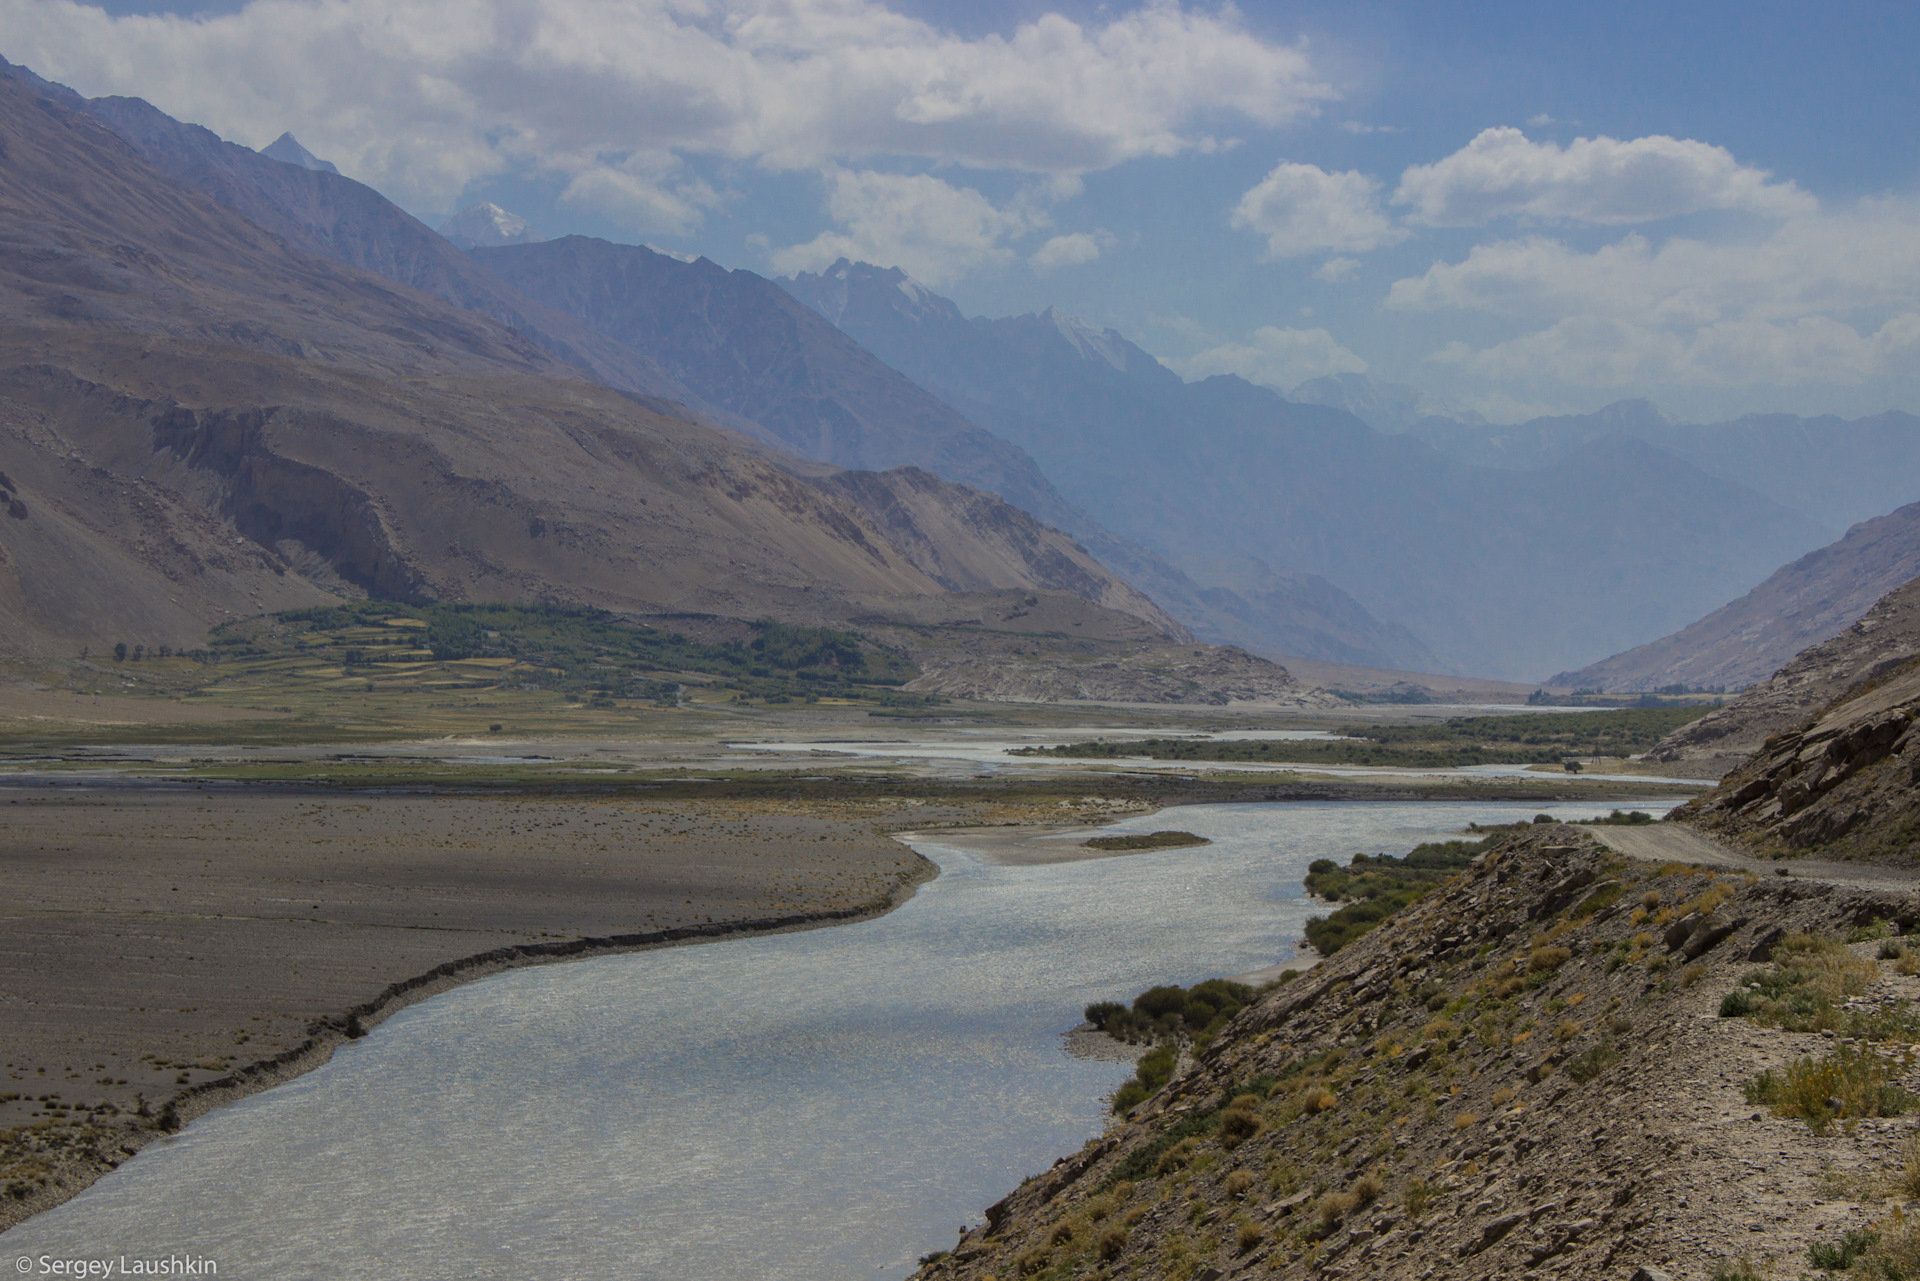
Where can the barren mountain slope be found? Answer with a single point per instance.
(968, 541)
(329, 216)
(411, 448)
(1749, 639)
(1883, 639)
(748, 345)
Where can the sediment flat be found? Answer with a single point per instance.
(156, 942)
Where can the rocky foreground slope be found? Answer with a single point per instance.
(1885, 637)
(1523, 1075)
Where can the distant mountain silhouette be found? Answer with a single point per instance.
(287, 150)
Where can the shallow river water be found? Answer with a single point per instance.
(816, 1105)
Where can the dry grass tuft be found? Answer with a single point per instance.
(1465, 1121)
(1238, 1182)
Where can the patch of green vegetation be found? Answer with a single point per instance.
(1145, 841)
(1162, 1012)
(585, 652)
(1805, 990)
(1374, 887)
(1546, 738)
(1838, 1255)
(1630, 818)
(1846, 1082)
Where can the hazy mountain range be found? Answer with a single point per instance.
(1612, 542)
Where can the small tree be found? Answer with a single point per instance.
(120, 652)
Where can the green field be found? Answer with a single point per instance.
(1542, 739)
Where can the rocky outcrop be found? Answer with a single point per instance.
(1882, 639)
(1846, 781)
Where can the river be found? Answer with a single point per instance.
(825, 1104)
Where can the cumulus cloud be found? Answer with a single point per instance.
(422, 97)
(1303, 209)
(1833, 298)
(1864, 259)
(933, 231)
(648, 192)
(1274, 357)
(1592, 180)
(1069, 250)
(1335, 270)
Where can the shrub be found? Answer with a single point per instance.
(1548, 959)
(1465, 1121)
(1035, 1260)
(1416, 1197)
(1178, 1156)
(1736, 1005)
(1237, 1126)
(1238, 1182)
(1366, 1189)
(1335, 1206)
(1876, 929)
(1838, 1256)
(1585, 1067)
(1857, 1080)
(1112, 1243)
(1567, 1030)
(1250, 1235)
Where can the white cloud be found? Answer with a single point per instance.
(1833, 298)
(1592, 180)
(1357, 127)
(1835, 263)
(422, 97)
(933, 231)
(1541, 121)
(1069, 250)
(1303, 209)
(1335, 270)
(650, 193)
(1275, 357)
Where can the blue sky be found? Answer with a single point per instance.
(1518, 208)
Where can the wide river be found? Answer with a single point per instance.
(819, 1105)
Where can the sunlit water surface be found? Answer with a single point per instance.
(815, 1105)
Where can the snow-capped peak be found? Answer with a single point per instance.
(1091, 343)
(487, 224)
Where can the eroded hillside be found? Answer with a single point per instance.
(1526, 1073)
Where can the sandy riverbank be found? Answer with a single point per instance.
(185, 948)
